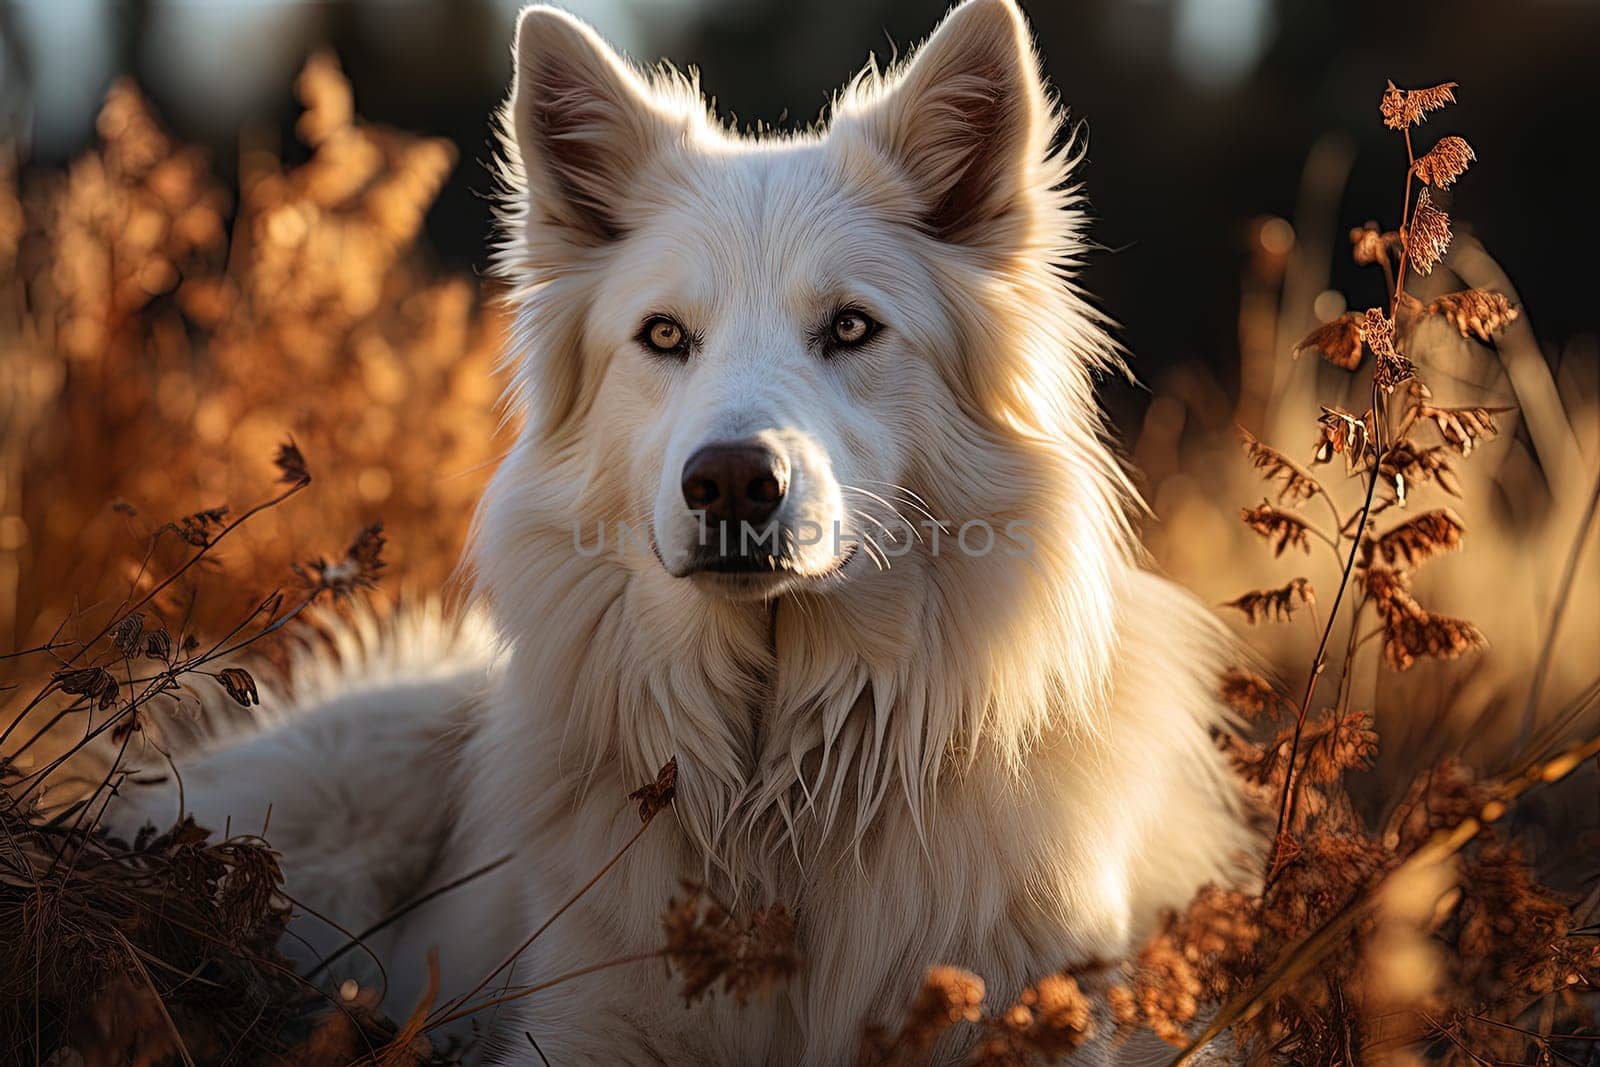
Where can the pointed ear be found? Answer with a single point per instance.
(585, 123)
(966, 119)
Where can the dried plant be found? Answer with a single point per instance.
(1402, 108)
(1475, 312)
(1296, 486)
(1343, 434)
(1280, 528)
(1418, 934)
(1445, 162)
(1051, 1019)
(1404, 464)
(1419, 539)
(707, 947)
(1428, 237)
(163, 333)
(1274, 604)
(948, 996)
(103, 939)
(1249, 694)
(1048, 1021)
(1371, 943)
(1339, 339)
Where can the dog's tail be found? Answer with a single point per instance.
(348, 771)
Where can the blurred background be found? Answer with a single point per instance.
(225, 222)
(1201, 113)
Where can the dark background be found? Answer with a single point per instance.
(1200, 113)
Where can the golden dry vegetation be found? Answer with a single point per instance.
(163, 334)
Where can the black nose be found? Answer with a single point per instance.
(742, 481)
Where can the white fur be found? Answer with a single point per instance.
(1000, 761)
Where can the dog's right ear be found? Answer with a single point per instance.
(585, 124)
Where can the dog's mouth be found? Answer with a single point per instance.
(752, 573)
(756, 565)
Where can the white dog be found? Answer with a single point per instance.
(936, 706)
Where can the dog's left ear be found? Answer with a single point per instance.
(967, 119)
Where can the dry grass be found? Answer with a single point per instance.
(167, 336)
(163, 334)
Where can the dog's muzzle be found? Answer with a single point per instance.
(735, 489)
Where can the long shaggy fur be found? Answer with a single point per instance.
(997, 760)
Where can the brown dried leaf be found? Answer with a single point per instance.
(1049, 1020)
(1409, 630)
(654, 797)
(158, 645)
(1337, 743)
(1392, 371)
(1445, 162)
(1408, 107)
(1463, 428)
(1369, 244)
(1390, 591)
(1277, 526)
(127, 633)
(199, 528)
(1475, 312)
(1366, 246)
(359, 569)
(1417, 540)
(1391, 367)
(1341, 433)
(1339, 340)
(96, 683)
(1275, 604)
(706, 946)
(291, 464)
(1377, 329)
(1404, 463)
(948, 995)
(1412, 637)
(240, 686)
(1297, 486)
(1428, 236)
(1250, 694)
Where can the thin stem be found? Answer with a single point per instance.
(1405, 239)
(49, 646)
(192, 560)
(124, 611)
(528, 991)
(1350, 646)
(1333, 509)
(404, 910)
(573, 899)
(1286, 803)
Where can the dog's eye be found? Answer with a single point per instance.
(664, 336)
(851, 328)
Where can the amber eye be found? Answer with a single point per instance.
(851, 328)
(664, 335)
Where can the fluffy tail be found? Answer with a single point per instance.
(348, 772)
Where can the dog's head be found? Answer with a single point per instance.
(750, 346)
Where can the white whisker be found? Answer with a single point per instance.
(895, 512)
(916, 503)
